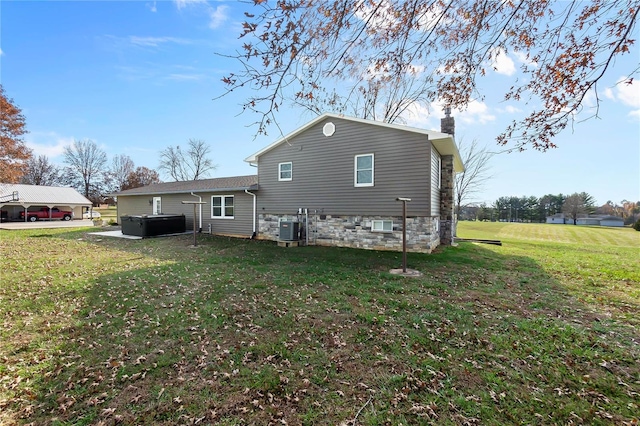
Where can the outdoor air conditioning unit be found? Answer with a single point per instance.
(289, 231)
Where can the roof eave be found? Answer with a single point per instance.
(187, 191)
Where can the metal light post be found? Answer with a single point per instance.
(404, 231)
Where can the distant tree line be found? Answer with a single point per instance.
(87, 169)
(534, 209)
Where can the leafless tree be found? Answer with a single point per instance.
(477, 171)
(121, 167)
(190, 164)
(41, 172)
(86, 166)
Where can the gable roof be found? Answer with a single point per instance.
(41, 195)
(235, 183)
(443, 142)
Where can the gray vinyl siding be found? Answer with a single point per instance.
(240, 225)
(323, 172)
(435, 188)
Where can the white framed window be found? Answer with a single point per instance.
(157, 205)
(222, 207)
(382, 226)
(285, 171)
(363, 170)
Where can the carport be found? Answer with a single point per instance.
(17, 198)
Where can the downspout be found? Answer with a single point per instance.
(199, 212)
(253, 236)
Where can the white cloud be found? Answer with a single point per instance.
(156, 41)
(635, 114)
(502, 63)
(1, 52)
(608, 93)
(181, 4)
(185, 77)
(50, 144)
(476, 112)
(511, 109)
(218, 16)
(522, 57)
(628, 94)
(427, 116)
(152, 7)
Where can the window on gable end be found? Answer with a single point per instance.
(363, 170)
(285, 171)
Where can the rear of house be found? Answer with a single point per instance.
(228, 209)
(340, 177)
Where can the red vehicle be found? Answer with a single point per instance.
(43, 213)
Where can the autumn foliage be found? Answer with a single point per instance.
(378, 57)
(13, 151)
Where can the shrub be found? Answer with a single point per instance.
(636, 225)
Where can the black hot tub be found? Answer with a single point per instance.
(153, 225)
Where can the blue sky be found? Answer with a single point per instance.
(138, 76)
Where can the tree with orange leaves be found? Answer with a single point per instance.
(13, 151)
(384, 55)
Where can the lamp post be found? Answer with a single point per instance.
(404, 231)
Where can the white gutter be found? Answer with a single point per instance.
(254, 211)
(199, 212)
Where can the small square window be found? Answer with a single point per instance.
(285, 171)
(382, 226)
(363, 170)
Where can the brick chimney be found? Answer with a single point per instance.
(447, 185)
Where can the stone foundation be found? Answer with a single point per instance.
(355, 231)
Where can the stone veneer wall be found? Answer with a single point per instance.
(355, 232)
(447, 200)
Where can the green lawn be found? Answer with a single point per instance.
(108, 214)
(542, 330)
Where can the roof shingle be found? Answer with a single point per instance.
(235, 183)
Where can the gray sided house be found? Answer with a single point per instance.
(341, 176)
(229, 207)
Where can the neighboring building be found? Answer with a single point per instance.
(587, 220)
(344, 174)
(338, 177)
(229, 210)
(16, 198)
(611, 221)
(558, 218)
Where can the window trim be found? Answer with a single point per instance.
(223, 207)
(355, 170)
(280, 178)
(382, 223)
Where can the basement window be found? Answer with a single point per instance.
(382, 226)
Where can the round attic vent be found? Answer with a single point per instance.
(329, 129)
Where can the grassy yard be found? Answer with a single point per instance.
(108, 214)
(543, 330)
